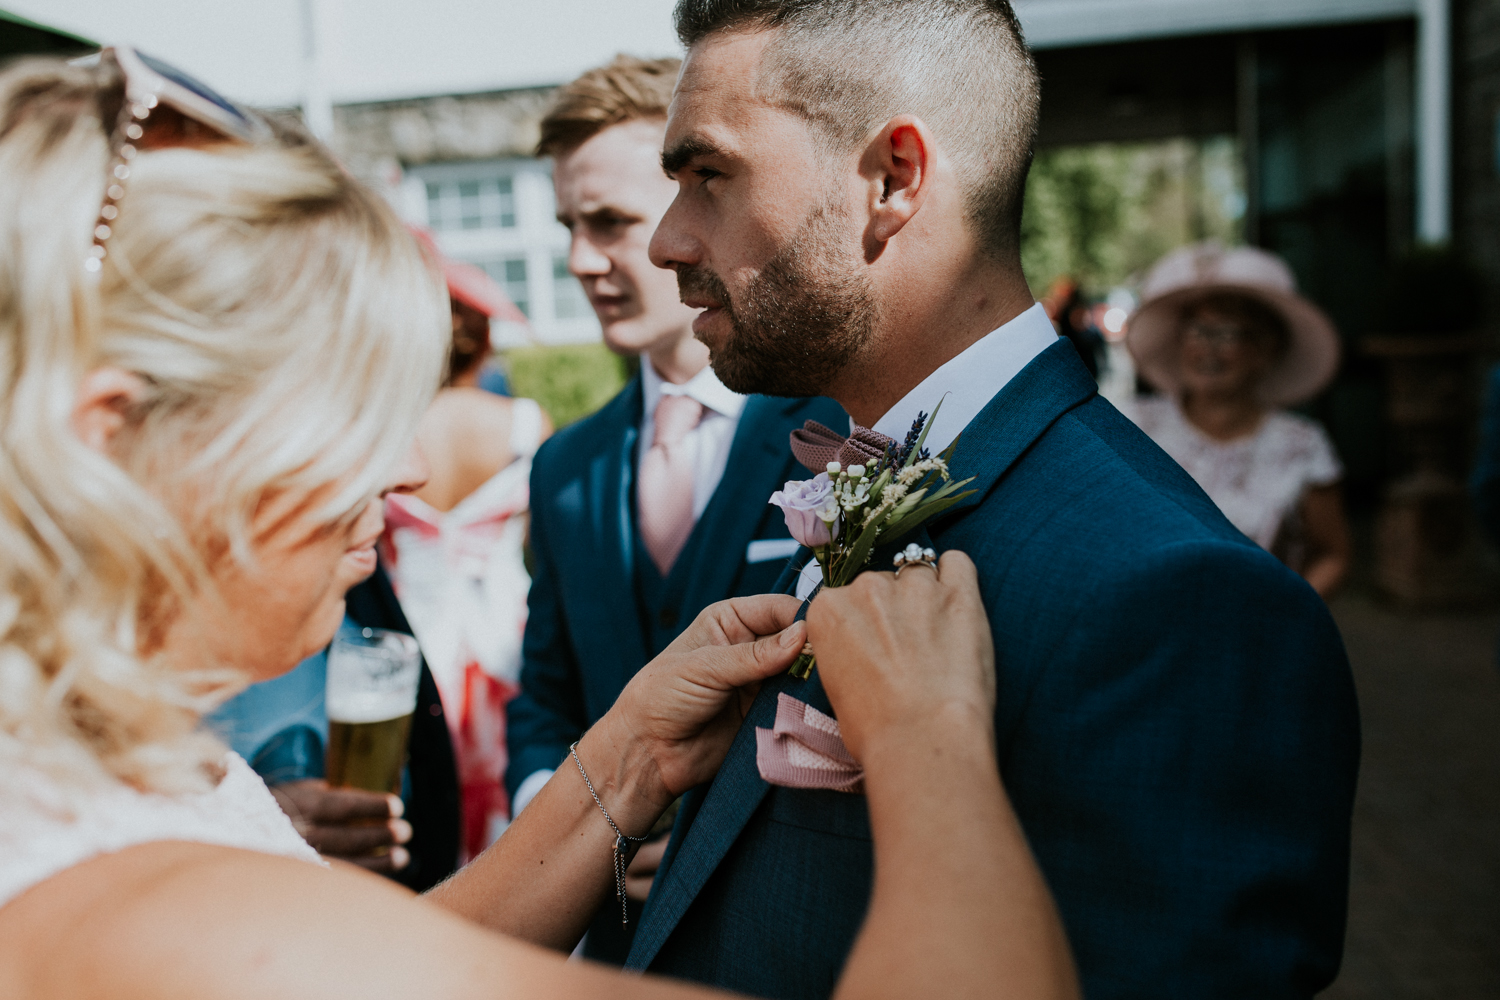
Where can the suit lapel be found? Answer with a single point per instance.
(611, 476)
(757, 456)
(1052, 384)
(731, 800)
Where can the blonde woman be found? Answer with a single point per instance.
(206, 385)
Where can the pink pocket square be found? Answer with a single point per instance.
(804, 750)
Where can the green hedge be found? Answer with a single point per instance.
(570, 381)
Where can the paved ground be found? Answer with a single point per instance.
(1424, 904)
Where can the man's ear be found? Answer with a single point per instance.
(105, 397)
(899, 163)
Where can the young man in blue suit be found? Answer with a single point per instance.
(1176, 717)
(654, 507)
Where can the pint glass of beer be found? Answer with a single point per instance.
(372, 692)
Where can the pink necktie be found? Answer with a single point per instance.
(664, 496)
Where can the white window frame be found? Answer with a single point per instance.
(537, 237)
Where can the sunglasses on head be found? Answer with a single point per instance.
(163, 108)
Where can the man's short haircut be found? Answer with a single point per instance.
(625, 90)
(850, 66)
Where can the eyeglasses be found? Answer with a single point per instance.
(1219, 334)
(198, 117)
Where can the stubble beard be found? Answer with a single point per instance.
(803, 319)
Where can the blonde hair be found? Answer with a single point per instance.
(289, 333)
(626, 89)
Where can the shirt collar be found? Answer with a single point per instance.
(705, 387)
(967, 383)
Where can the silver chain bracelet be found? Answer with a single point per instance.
(622, 840)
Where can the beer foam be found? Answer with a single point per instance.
(369, 706)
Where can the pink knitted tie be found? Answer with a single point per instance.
(664, 496)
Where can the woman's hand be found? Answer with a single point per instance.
(897, 653)
(678, 716)
(668, 731)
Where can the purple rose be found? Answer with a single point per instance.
(811, 510)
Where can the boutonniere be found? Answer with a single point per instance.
(888, 492)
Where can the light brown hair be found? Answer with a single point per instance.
(626, 89)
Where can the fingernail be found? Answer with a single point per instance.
(398, 808)
(401, 830)
(400, 858)
(791, 636)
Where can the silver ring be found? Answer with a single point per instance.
(915, 555)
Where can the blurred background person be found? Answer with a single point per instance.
(454, 550)
(654, 507)
(1072, 315)
(1228, 343)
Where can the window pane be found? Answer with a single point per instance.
(434, 205)
(568, 298)
(468, 200)
(507, 213)
(511, 274)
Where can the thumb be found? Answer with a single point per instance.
(748, 662)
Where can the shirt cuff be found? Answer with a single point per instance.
(527, 791)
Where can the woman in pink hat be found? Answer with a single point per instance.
(1229, 344)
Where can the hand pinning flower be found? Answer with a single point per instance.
(842, 513)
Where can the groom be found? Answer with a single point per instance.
(1176, 717)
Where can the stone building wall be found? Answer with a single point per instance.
(374, 139)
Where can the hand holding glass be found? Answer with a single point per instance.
(372, 692)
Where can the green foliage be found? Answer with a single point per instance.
(569, 380)
(1104, 213)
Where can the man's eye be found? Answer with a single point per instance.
(705, 173)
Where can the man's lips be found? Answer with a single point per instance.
(705, 319)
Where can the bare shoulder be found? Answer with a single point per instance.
(476, 409)
(174, 920)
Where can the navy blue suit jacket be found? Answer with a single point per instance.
(584, 635)
(1176, 727)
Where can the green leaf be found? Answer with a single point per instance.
(859, 553)
(947, 455)
(916, 449)
(923, 514)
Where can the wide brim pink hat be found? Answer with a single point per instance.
(1183, 277)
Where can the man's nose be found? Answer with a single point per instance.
(672, 243)
(585, 260)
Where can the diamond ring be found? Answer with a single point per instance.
(915, 555)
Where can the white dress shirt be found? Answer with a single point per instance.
(965, 385)
(710, 442)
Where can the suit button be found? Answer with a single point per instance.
(667, 617)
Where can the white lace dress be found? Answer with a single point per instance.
(461, 578)
(46, 828)
(1258, 481)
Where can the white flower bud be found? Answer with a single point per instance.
(855, 471)
(834, 468)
